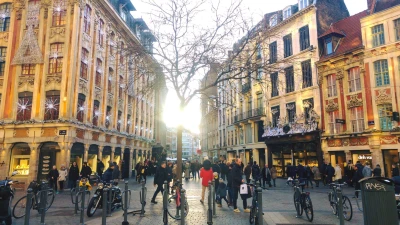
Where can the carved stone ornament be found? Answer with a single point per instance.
(354, 101)
(339, 74)
(120, 103)
(26, 80)
(383, 97)
(83, 86)
(53, 79)
(1, 82)
(110, 98)
(4, 36)
(331, 106)
(98, 93)
(320, 80)
(57, 31)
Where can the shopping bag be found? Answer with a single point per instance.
(243, 189)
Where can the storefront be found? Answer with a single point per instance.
(362, 156)
(77, 152)
(20, 159)
(92, 157)
(106, 156)
(390, 157)
(47, 159)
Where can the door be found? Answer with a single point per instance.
(47, 159)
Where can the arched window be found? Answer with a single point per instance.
(81, 107)
(24, 106)
(5, 10)
(52, 105)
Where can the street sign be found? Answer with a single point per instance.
(62, 132)
(371, 122)
(340, 121)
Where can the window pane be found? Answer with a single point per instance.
(381, 73)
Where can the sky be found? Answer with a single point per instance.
(191, 117)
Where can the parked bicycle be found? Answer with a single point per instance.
(302, 200)
(19, 207)
(254, 206)
(334, 202)
(174, 203)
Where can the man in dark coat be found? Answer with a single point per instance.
(215, 167)
(358, 168)
(224, 170)
(229, 184)
(349, 173)
(100, 168)
(52, 176)
(115, 174)
(266, 174)
(395, 170)
(247, 172)
(159, 178)
(300, 171)
(86, 171)
(330, 172)
(193, 167)
(255, 170)
(290, 171)
(237, 180)
(108, 175)
(323, 172)
(73, 175)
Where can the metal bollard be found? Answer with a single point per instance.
(76, 198)
(28, 206)
(209, 212)
(183, 206)
(143, 197)
(340, 206)
(109, 202)
(104, 205)
(83, 191)
(43, 201)
(125, 222)
(213, 198)
(165, 204)
(260, 206)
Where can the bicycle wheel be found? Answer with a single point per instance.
(252, 215)
(20, 207)
(308, 208)
(297, 205)
(174, 211)
(49, 200)
(347, 208)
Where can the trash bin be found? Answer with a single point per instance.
(378, 201)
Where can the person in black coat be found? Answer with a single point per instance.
(159, 178)
(377, 172)
(247, 172)
(323, 172)
(357, 177)
(290, 171)
(237, 180)
(108, 175)
(115, 174)
(100, 168)
(53, 178)
(86, 171)
(229, 184)
(395, 170)
(300, 171)
(330, 172)
(216, 168)
(255, 170)
(73, 175)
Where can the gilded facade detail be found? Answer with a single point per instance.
(54, 31)
(354, 101)
(331, 106)
(383, 97)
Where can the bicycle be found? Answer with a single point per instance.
(302, 201)
(253, 219)
(334, 201)
(174, 209)
(19, 207)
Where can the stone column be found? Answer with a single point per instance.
(130, 161)
(86, 152)
(100, 153)
(33, 162)
(112, 154)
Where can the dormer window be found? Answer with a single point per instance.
(303, 4)
(328, 46)
(287, 12)
(273, 21)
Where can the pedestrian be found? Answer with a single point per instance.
(229, 184)
(169, 175)
(256, 173)
(224, 170)
(115, 174)
(52, 177)
(367, 171)
(100, 168)
(237, 180)
(323, 172)
(377, 172)
(309, 176)
(143, 172)
(86, 171)
(290, 171)
(198, 166)
(330, 172)
(395, 170)
(150, 168)
(137, 167)
(300, 171)
(221, 192)
(216, 168)
(159, 178)
(266, 174)
(193, 169)
(357, 177)
(62, 177)
(317, 175)
(274, 174)
(247, 172)
(206, 175)
(338, 173)
(108, 174)
(349, 173)
(187, 170)
(73, 175)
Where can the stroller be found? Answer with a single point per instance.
(6, 196)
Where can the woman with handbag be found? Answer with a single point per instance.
(237, 181)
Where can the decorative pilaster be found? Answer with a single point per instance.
(112, 153)
(86, 153)
(33, 162)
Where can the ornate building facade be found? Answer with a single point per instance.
(72, 80)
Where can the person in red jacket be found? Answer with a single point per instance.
(206, 173)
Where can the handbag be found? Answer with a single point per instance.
(243, 189)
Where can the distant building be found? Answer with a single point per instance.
(190, 143)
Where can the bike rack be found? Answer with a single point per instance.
(340, 206)
(126, 203)
(142, 195)
(75, 192)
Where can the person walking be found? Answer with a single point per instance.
(115, 174)
(144, 169)
(159, 178)
(357, 177)
(300, 171)
(256, 173)
(237, 180)
(323, 172)
(377, 172)
(62, 177)
(229, 184)
(266, 174)
(338, 173)
(169, 175)
(290, 171)
(193, 170)
(216, 168)
(221, 193)
(100, 168)
(395, 170)
(274, 174)
(206, 175)
(247, 172)
(224, 170)
(108, 174)
(367, 171)
(73, 175)
(187, 170)
(317, 175)
(52, 177)
(330, 172)
(86, 171)
(309, 176)
(349, 173)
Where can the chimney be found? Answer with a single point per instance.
(371, 4)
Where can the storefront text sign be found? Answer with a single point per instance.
(364, 157)
(62, 132)
(341, 121)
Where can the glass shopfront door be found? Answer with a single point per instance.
(390, 157)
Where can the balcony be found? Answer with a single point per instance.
(257, 112)
(246, 87)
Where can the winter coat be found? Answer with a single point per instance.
(115, 174)
(237, 176)
(317, 174)
(73, 173)
(206, 175)
(187, 170)
(216, 168)
(300, 171)
(308, 172)
(193, 166)
(255, 170)
(266, 174)
(377, 172)
(395, 172)
(169, 174)
(247, 171)
(274, 173)
(290, 171)
(367, 171)
(358, 175)
(323, 168)
(229, 177)
(330, 171)
(224, 168)
(62, 175)
(86, 171)
(338, 173)
(100, 167)
(108, 175)
(221, 191)
(53, 175)
(160, 176)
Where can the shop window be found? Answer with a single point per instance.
(378, 35)
(307, 73)
(28, 69)
(381, 70)
(99, 66)
(84, 64)
(385, 116)
(86, 19)
(5, 21)
(3, 53)
(331, 85)
(397, 29)
(304, 38)
(334, 128)
(96, 113)
(274, 85)
(20, 159)
(100, 35)
(390, 157)
(354, 79)
(52, 105)
(291, 112)
(81, 107)
(287, 45)
(357, 119)
(273, 52)
(56, 58)
(59, 15)
(24, 106)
